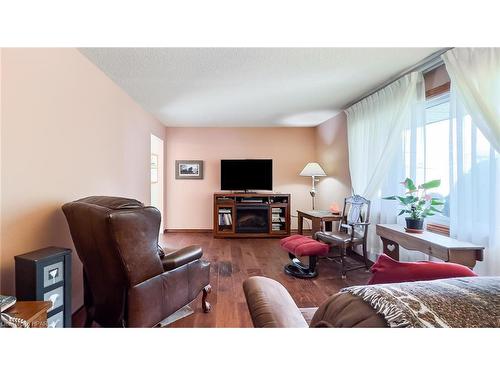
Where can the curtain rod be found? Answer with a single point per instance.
(429, 63)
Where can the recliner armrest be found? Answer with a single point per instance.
(270, 304)
(182, 256)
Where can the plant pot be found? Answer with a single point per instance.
(414, 225)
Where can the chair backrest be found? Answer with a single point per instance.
(356, 211)
(117, 241)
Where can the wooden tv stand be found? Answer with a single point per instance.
(238, 215)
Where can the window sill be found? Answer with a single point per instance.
(439, 229)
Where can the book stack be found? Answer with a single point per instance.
(225, 217)
(276, 227)
(276, 210)
(277, 219)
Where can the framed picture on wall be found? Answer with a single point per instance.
(189, 169)
(154, 168)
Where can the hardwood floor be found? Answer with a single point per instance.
(234, 260)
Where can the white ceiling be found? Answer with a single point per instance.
(250, 86)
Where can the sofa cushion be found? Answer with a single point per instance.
(343, 310)
(387, 270)
(270, 305)
(303, 246)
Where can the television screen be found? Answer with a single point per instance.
(247, 174)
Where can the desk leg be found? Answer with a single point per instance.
(328, 226)
(316, 225)
(391, 248)
(300, 224)
(466, 258)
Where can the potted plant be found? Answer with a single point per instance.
(418, 204)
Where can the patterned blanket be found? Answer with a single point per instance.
(465, 302)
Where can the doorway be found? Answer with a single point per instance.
(157, 175)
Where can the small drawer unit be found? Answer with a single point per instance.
(45, 275)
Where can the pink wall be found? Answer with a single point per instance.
(189, 202)
(332, 154)
(68, 132)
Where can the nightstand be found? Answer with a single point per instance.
(34, 312)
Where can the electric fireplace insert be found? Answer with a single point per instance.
(252, 219)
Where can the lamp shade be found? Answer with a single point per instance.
(312, 169)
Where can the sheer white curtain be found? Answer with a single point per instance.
(474, 186)
(475, 73)
(374, 129)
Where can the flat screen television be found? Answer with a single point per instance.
(246, 174)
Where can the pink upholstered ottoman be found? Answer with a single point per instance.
(298, 246)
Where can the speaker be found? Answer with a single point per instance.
(45, 275)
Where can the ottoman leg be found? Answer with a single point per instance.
(204, 303)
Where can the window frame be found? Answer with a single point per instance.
(437, 98)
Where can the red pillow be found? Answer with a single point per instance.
(387, 270)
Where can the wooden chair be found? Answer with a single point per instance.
(352, 231)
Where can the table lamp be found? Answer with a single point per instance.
(313, 170)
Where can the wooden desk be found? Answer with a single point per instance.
(34, 312)
(436, 245)
(318, 218)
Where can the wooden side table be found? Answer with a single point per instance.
(34, 312)
(445, 248)
(318, 219)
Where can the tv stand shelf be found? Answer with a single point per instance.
(251, 215)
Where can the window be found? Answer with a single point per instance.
(451, 150)
(427, 151)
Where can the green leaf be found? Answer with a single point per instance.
(391, 198)
(405, 200)
(434, 209)
(437, 202)
(410, 185)
(430, 184)
(411, 192)
(401, 212)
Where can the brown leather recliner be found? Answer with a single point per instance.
(128, 281)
